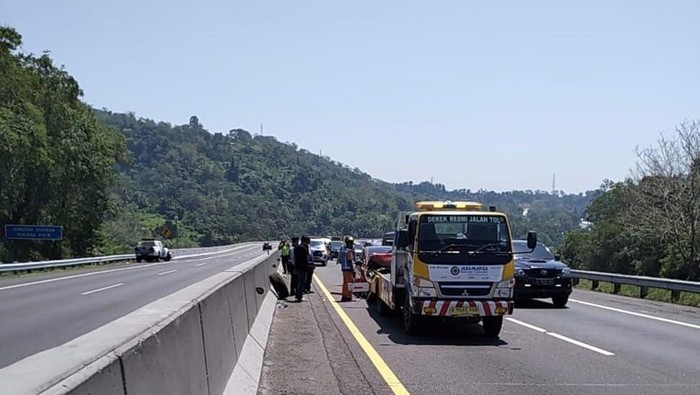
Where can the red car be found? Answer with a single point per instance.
(376, 257)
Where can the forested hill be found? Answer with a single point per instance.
(236, 186)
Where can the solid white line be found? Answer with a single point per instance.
(215, 257)
(580, 344)
(178, 257)
(525, 324)
(168, 272)
(561, 337)
(651, 317)
(102, 289)
(51, 280)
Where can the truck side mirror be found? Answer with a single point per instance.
(557, 257)
(403, 239)
(531, 240)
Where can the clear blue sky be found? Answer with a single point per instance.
(477, 94)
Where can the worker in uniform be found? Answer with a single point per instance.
(346, 259)
(285, 251)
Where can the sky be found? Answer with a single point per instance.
(499, 95)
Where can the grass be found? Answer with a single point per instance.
(661, 295)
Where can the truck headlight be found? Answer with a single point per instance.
(423, 288)
(566, 272)
(504, 289)
(520, 273)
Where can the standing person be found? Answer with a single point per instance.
(291, 266)
(301, 265)
(284, 252)
(346, 259)
(310, 274)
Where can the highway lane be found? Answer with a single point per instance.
(41, 313)
(581, 349)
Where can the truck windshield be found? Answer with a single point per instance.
(463, 234)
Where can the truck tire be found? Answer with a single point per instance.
(279, 285)
(411, 322)
(168, 257)
(371, 296)
(382, 308)
(492, 325)
(138, 259)
(560, 301)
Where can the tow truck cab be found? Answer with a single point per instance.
(451, 260)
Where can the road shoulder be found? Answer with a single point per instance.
(307, 354)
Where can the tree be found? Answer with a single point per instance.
(666, 196)
(56, 161)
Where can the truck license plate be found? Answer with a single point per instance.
(544, 281)
(470, 310)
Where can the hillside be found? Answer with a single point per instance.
(224, 188)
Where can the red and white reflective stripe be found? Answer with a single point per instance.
(444, 307)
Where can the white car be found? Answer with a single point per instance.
(318, 249)
(151, 250)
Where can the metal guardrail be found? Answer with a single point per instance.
(15, 267)
(11, 267)
(644, 283)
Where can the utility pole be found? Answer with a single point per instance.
(554, 183)
(261, 130)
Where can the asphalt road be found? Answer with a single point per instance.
(39, 312)
(599, 344)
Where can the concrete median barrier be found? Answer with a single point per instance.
(195, 341)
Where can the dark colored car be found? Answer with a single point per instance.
(388, 239)
(335, 247)
(540, 274)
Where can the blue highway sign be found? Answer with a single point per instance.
(33, 232)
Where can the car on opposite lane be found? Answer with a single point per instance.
(151, 250)
(540, 274)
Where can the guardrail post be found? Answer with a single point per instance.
(576, 281)
(675, 295)
(643, 292)
(616, 288)
(594, 284)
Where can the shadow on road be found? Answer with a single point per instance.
(536, 304)
(435, 331)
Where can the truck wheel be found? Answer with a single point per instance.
(560, 301)
(411, 322)
(139, 259)
(279, 285)
(492, 325)
(382, 309)
(156, 258)
(371, 297)
(168, 257)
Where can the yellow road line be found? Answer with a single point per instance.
(384, 370)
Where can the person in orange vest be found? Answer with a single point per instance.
(346, 259)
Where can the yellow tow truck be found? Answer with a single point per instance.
(451, 260)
